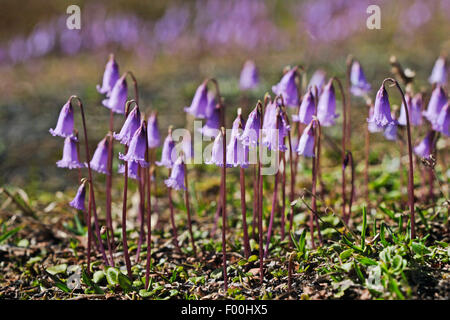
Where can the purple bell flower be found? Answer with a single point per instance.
(237, 152)
(78, 201)
(110, 76)
(64, 126)
(443, 120)
(211, 106)
(372, 126)
(99, 161)
(439, 72)
(360, 86)
(250, 135)
(132, 170)
(437, 101)
(318, 80)
(118, 96)
(212, 124)
(270, 115)
(176, 179)
(424, 148)
(414, 109)
(70, 154)
(381, 116)
(167, 152)
(154, 138)
(307, 109)
(288, 89)
(326, 107)
(390, 132)
(130, 126)
(249, 78)
(199, 103)
(136, 151)
(305, 145)
(217, 152)
(275, 132)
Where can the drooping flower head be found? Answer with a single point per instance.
(249, 78)
(70, 154)
(250, 135)
(442, 122)
(211, 106)
(110, 76)
(64, 126)
(138, 147)
(118, 96)
(360, 86)
(275, 131)
(133, 168)
(130, 126)
(237, 152)
(439, 72)
(270, 115)
(307, 109)
(317, 80)
(78, 201)
(437, 101)
(381, 116)
(99, 160)
(288, 88)
(217, 151)
(167, 152)
(212, 124)
(372, 126)
(326, 107)
(305, 145)
(154, 138)
(414, 109)
(425, 147)
(199, 102)
(176, 179)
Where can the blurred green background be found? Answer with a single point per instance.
(171, 46)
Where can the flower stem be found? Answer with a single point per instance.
(91, 189)
(244, 213)
(410, 160)
(188, 210)
(109, 226)
(149, 216)
(224, 212)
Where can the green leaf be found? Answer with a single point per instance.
(366, 261)
(346, 254)
(383, 235)
(98, 276)
(390, 213)
(125, 282)
(419, 248)
(112, 276)
(60, 268)
(92, 285)
(58, 283)
(253, 258)
(5, 236)
(364, 226)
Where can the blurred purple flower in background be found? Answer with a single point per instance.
(199, 103)
(390, 132)
(326, 107)
(99, 160)
(439, 72)
(167, 152)
(250, 135)
(132, 170)
(443, 120)
(318, 79)
(306, 110)
(424, 148)
(70, 154)
(288, 88)
(249, 78)
(176, 179)
(78, 201)
(129, 127)
(154, 138)
(118, 96)
(64, 126)
(305, 145)
(110, 77)
(437, 101)
(360, 86)
(414, 109)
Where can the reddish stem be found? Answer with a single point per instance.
(244, 213)
(188, 210)
(224, 212)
